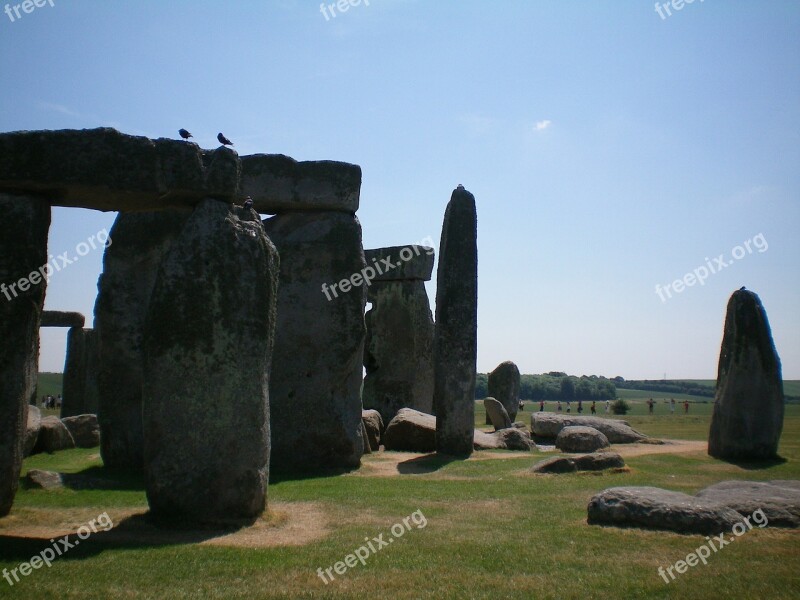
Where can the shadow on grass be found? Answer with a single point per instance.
(278, 476)
(755, 465)
(100, 478)
(430, 463)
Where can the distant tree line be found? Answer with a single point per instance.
(556, 385)
(667, 386)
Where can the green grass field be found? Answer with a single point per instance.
(493, 531)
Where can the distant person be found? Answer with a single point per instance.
(608, 406)
(686, 407)
(569, 406)
(672, 406)
(593, 407)
(521, 406)
(559, 406)
(580, 406)
(541, 405)
(650, 404)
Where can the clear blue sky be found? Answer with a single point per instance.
(609, 149)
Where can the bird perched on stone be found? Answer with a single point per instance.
(460, 187)
(184, 134)
(741, 289)
(223, 140)
(248, 203)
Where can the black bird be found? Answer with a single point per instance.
(460, 187)
(741, 289)
(184, 134)
(223, 140)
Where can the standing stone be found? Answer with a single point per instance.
(748, 407)
(80, 378)
(497, 414)
(24, 223)
(504, 384)
(319, 342)
(456, 340)
(398, 355)
(130, 265)
(207, 347)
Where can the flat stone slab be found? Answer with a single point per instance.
(104, 169)
(401, 263)
(779, 500)
(548, 425)
(596, 461)
(655, 508)
(57, 318)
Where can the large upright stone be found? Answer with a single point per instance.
(398, 356)
(503, 385)
(208, 340)
(24, 223)
(456, 340)
(130, 266)
(319, 342)
(748, 407)
(80, 375)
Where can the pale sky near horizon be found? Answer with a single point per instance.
(610, 150)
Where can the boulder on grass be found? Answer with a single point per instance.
(43, 480)
(85, 430)
(548, 425)
(778, 500)
(505, 439)
(555, 464)
(411, 431)
(580, 439)
(498, 415)
(53, 436)
(34, 423)
(373, 425)
(597, 461)
(654, 508)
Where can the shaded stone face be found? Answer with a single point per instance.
(496, 413)
(80, 374)
(57, 318)
(208, 340)
(398, 355)
(401, 263)
(504, 384)
(130, 266)
(24, 223)
(455, 344)
(319, 342)
(748, 408)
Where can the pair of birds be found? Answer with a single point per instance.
(221, 138)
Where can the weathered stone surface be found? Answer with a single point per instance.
(576, 438)
(505, 439)
(24, 223)
(401, 263)
(373, 425)
(748, 408)
(84, 430)
(398, 354)
(503, 385)
(34, 423)
(654, 508)
(456, 339)
(496, 413)
(277, 184)
(53, 436)
(778, 500)
(315, 392)
(57, 318)
(547, 425)
(130, 266)
(108, 170)
(208, 339)
(411, 431)
(599, 461)
(80, 374)
(365, 438)
(43, 480)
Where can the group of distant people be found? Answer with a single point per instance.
(593, 407)
(651, 404)
(51, 401)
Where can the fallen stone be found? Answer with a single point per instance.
(373, 425)
(411, 431)
(24, 223)
(34, 423)
(56, 318)
(548, 425)
(654, 508)
(43, 480)
(576, 438)
(207, 347)
(497, 414)
(597, 461)
(456, 338)
(555, 464)
(398, 352)
(503, 384)
(84, 430)
(317, 365)
(747, 420)
(514, 439)
(778, 500)
(53, 436)
(401, 263)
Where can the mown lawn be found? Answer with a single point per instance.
(493, 531)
